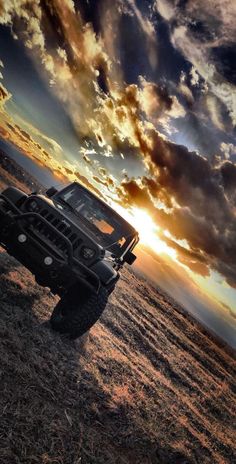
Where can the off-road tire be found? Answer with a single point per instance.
(75, 314)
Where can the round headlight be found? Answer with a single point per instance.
(87, 253)
(22, 238)
(33, 206)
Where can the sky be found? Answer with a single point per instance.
(136, 100)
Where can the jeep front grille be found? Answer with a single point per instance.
(46, 234)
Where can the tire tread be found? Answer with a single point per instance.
(78, 320)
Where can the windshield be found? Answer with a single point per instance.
(111, 230)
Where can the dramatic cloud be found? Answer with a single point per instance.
(204, 31)
(78, 65)
(184, 181)
(154, 99)
(158, 105)
(193, 260)
(148, 30)
(228, 149)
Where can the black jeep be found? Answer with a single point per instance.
(73, 243)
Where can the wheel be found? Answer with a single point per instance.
(76, 313)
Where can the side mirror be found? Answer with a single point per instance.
(51, 191)
(129, 258)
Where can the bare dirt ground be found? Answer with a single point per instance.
(147, 385)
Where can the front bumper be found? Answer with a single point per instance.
(64, 271)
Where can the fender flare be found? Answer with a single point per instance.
(106, 273)
(15, 195)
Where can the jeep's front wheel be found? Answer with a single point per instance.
(75, 314)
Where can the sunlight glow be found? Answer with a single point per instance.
(144, 224)
(148, 231)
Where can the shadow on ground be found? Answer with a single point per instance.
(53, 409)
(114, 397)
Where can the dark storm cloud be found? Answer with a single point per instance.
(157, 102)
(131, 193)
(225, 60)
(193, 260)
(195, 266)
(184, 252)
(204, 32)
(198, 195)
(228, 172)
(185, 182)
(189, 178)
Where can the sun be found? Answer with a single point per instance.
(144, 224)
(148, 231)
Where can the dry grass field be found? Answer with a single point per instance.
(147, 385)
